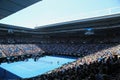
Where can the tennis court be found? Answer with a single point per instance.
(31, 68)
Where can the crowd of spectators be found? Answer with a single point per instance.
(17, 52)
(20, 40)
(95, 57)
(69, 49)
(18, 49)
(102, 65)
(17, 58)
(72, 47)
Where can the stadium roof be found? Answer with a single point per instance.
(7, 26)
(8, 7)
(94, 19)
(99, 25)
(97, 22)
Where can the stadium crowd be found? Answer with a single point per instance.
(71, 47)
(18, 49)
(17, 52)
(98, 59)
(102, 65)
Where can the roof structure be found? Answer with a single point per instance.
(79, 21)
(7, 26)
(97, 26)
(8, 7)
(108, 21)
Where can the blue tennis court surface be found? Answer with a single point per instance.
(31, 68)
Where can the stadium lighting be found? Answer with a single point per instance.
(89, 31)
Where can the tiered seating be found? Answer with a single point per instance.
(102, 65)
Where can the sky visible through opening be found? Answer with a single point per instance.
(48, 12)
